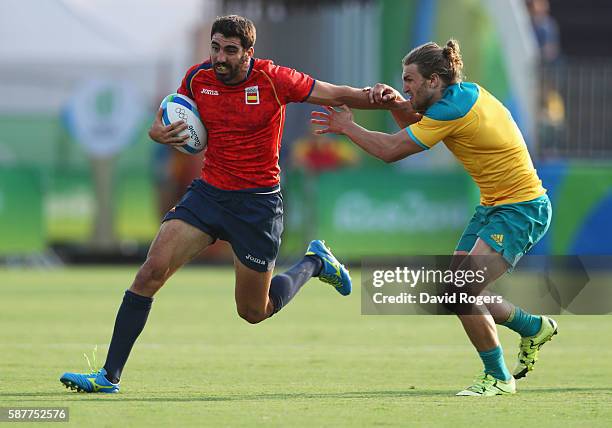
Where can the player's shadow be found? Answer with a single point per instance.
(301, 396)
(564, 390)
(412, 392)
(54, 396)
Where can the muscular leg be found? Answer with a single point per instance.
(504, 312)
(176, 243)
(480, 324)
(499, 311)
(259, 295)
(477, 320)
(251, 292)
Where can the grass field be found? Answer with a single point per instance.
(317, 363)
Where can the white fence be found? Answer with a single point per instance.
(575, 115)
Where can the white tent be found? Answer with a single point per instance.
(48, 46)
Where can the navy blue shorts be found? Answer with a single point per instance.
(251, 221)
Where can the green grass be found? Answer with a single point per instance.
(317, 363)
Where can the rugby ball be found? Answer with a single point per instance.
(177, 107)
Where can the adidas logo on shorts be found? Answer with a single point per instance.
(498, 238)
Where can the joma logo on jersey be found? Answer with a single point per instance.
(255, 259)
(251, 95)
(209, 92)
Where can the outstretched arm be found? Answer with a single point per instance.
(327, 94)
(404, 115)
(387, 147)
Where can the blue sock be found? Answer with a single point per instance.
(523, 322)
(130, 321)
(286, 285)
(494, 363)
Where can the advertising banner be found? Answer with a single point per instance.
(21, 211)
(389, 211)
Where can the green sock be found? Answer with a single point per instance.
(494, 363)
(523, 322)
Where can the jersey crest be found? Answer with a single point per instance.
(251, 95)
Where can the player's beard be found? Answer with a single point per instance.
(233, 71)
(421, 99)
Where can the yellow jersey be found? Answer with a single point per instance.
(482, 135)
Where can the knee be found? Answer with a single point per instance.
(251, 315)
(151, 276)
(459, 307)
(450, 300)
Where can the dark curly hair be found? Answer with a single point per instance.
(235, 26)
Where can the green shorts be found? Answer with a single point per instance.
(510, 229)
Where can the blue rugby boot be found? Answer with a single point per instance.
(332, 272)
(93, 382)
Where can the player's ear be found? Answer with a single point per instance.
(434, 81)
(250, 51)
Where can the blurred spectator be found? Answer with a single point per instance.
(173, 172)
(316, 154)
(551, 105)
(546, 30)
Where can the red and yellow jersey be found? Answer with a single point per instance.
(482, 135)
(244, 121)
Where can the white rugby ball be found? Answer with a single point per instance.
(179, 107)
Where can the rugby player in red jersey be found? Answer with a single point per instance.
(242, 102)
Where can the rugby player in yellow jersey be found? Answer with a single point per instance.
(514, 211)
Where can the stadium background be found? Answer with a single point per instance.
(320, 362)
(50, 203)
